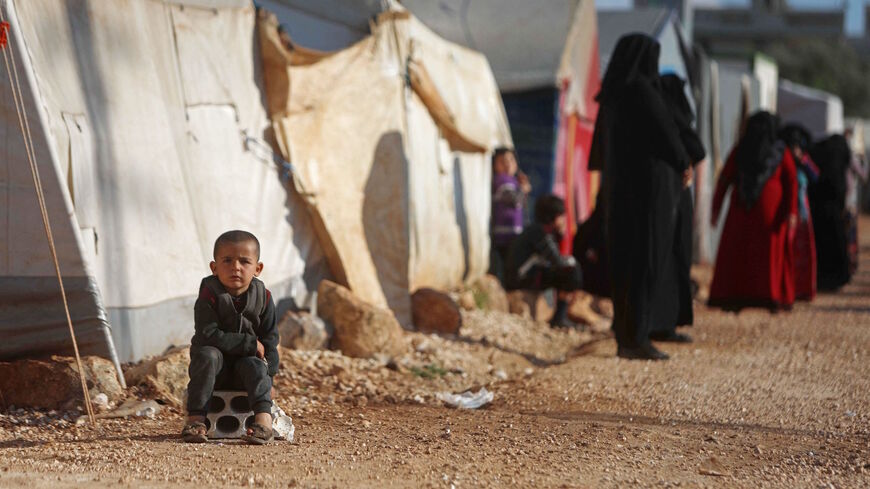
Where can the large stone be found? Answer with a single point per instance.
(465, 299)
(361, 329)
(533, 304)
(162, 377)
(303, 331)
(581, 310)
(517, 304)
(489, 294)
(55, 383)
(435, 312)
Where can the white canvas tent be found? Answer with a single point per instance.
(522, 40)
(662, 24)
(819, 111)
(148, 123)
(391, 139)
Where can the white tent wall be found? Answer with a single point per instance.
(404, 208)
(148, 104)
(466, 84)
(523, 40)
(819, 111)
(29, 291)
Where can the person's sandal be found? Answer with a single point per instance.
(195, 432)
(259, 435)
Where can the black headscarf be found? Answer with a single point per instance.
(635, 56)
(675, 96)
(794, 134)
(759, 153)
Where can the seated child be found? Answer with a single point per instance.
(236, 340)
(535, 262)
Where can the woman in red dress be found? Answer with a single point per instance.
(755, 264)
(799, 140)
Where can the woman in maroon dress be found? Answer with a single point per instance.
(755, 265)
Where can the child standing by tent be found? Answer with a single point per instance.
(236, 339)
(509, 191)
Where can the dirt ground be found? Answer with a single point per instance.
(759, 400)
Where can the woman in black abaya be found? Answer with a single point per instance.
(643, 160)
(675, 96)
(828, 206)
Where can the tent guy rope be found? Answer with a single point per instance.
(24, 125)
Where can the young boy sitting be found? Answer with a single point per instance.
(534, 261)
(236, 340)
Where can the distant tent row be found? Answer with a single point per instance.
(152, 134)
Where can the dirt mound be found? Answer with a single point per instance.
(55, 383)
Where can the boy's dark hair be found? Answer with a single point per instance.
(548, 208)
(235, 236)
(500, 151)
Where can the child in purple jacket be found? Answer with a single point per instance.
(509, 191)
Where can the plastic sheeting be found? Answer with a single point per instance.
(522, 39)
(384, 162)
(152, 145)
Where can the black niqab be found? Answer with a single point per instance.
(635, 56)
(758, 155)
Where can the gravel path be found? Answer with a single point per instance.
(759, 400)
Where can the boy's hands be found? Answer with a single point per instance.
(261, 350)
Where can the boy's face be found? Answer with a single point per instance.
(561, 224)
(235, 265)
(506, 164)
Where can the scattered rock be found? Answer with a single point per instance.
(489, 294)
(361, 329)
(465, 299)
(435, 312)
(132, 407)
(303, 331)
(602, 306)
(100, 403)
(517, 304)
(714, 468)
(581, 310)
(163, 377)
(530, 304)
(59, 386)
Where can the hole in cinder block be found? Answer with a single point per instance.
(216, 404)
(227, 424)
(240, 404)
(249, 422)
(207, 424)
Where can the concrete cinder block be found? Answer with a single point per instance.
(229, 414)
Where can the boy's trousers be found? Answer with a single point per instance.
(210, 369)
